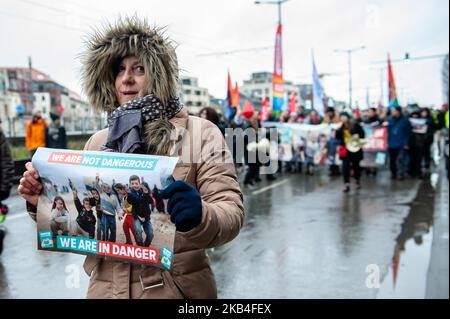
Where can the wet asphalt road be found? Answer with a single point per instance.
(302, 238)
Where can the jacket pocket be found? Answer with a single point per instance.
(170, 282)
(90, 263)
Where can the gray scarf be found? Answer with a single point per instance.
(127, 121)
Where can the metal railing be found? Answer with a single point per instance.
(15, 127)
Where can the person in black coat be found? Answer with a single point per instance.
(350, 161)
(159, 201)
(429, 137)
(251, 154)
(86, 220)
(55, 134)
(6, 178)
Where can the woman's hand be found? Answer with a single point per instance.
(184, 206)
(30, 186)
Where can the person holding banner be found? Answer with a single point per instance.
(130, 71)
(330, 116)
(351, 159)
(371, 120)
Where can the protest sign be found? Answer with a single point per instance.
(106, 204)
(316, 144)
(419, 126)
(375, 146)
(304, 142)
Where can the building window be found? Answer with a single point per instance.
(43, 98)
(198, 93)
(187, 92)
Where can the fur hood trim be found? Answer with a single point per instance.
(128, 36)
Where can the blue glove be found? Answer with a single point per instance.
(184, 206)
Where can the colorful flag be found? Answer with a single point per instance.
(277, 82)
(293, 103)
(229, 106)
(393, 100)
(264, 113)
(317, 91)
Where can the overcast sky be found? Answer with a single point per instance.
(51, 32)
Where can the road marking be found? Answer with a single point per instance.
(264, 189)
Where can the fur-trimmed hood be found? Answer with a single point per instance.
(128, 36)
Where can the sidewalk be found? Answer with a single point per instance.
(438, 271)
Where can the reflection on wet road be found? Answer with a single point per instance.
(305, 239)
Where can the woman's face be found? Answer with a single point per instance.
(130, 80)
(96, 195)
(204, 115)
(59, 205)
(424, 114)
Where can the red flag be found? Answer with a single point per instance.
(293, 103)
(236, 97)
(264, 113)
(248, 110)
(395, 264)
(229, 91)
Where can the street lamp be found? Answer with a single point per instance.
(407, 59)
(349, 53)
(277, 2)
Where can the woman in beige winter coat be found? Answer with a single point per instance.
(130, 71)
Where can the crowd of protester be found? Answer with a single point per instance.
(409, 152)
